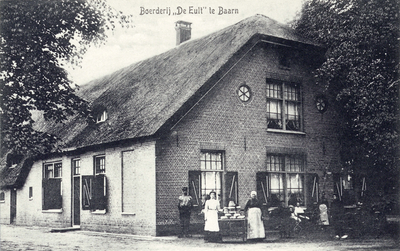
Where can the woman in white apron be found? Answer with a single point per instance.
(211, 226)
(255, 225)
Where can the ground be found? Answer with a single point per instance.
(37, 238)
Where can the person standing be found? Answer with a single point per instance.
(185, 206)
(337, 216)
(211, 226)
(255, 225)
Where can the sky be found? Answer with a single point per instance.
(154, 33)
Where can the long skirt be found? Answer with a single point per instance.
(255, 225)
(211, 223)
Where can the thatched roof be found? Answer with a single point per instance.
(14, 177)
(141, 98)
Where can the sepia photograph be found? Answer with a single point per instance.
(199, 125)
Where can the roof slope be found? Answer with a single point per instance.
(140, 98)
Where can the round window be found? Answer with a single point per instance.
(244, 93)
(321, 103)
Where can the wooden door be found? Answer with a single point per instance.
(77, 201)
(13, 204)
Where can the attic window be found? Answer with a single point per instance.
(13, 160)
(244, 93)
(101, 117)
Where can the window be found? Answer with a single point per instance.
(76, 166)
(53, 170)
(101, 117)
(211, 172)
(284, 180)
(2, 196)
(244, 93)
(52, 180)
(100, 164)
(30, 193)
(283, 106)
(13, 160)
(321, 103)
(209, 178)
(94, 187)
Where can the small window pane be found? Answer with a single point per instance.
(30, 192)
(100, 165)
(57, 170)
(49, 173)
(211, 161)
(76, 166)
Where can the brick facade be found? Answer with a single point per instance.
(220, 121)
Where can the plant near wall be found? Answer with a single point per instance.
(37, 38)
(362, 72)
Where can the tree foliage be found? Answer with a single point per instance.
(36, 38)
(362, 72)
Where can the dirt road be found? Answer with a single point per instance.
(36, 238)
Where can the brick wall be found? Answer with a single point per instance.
(221, 122)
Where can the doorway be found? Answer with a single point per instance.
(76, 192)
(77, 202)
(13, 205)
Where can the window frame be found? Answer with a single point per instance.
(101, 168)
(285, 172)
(56, 172)
(2, 197)
(52, 186)
(102, 116)
(76, 169)
(241, 94)
(220, 171)
(30, 195)
(278, 92)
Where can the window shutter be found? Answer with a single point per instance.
(87, 192)
(337, 179)
(312, 188)
(231, 187)
(262, 187)
(52, 198)
(99, 200)
(194, 187)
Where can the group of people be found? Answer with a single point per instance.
(255, 225)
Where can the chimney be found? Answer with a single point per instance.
(183, 31)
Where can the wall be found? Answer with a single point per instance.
(220, 121)
(5, 208)
(141, 221)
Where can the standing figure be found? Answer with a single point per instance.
(185, 205)
(337, 216)
(255, 225)
(211, 226)
(323, 214)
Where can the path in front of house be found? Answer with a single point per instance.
(37, 238)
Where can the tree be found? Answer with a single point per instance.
(37, 38)
(362, 72)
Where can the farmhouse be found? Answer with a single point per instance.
(235, 111)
